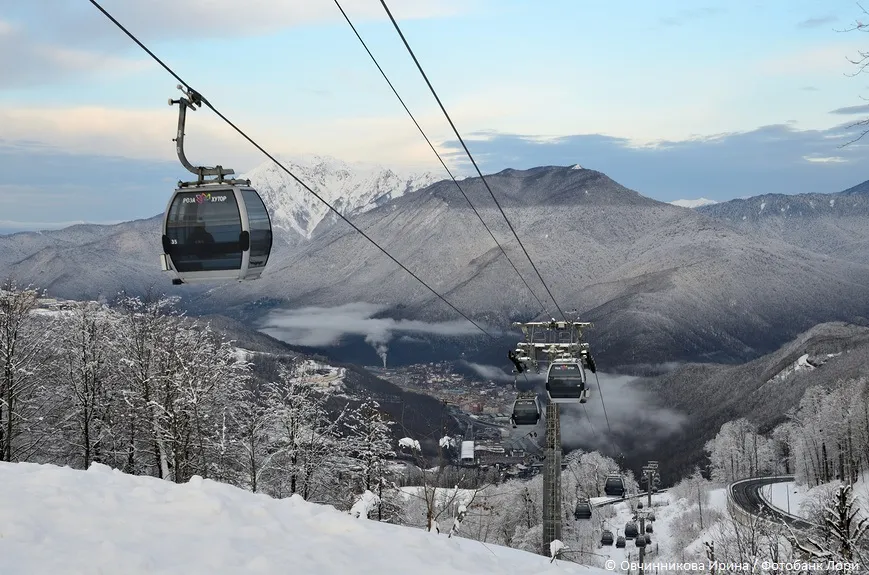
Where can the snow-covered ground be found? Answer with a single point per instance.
(792, 498)
(623, 513)
(101, 521)
(324, 377)
(786, 496)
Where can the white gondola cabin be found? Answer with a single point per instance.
(526, 410)
(216, 232)
(565, 382)
(215, 229)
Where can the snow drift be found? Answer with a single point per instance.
(62, 521)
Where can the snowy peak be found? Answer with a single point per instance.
(350, 188)
(693, 203)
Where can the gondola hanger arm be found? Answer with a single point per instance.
(191, 100)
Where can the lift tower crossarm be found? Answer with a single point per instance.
(551, 339)
(193, 99)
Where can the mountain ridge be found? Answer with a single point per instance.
(663, 283)
(761, 390)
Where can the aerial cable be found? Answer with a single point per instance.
(284, 168)
(590, 424)
(468, 152)
(610, 429)
(430, 145)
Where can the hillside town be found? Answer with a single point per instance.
(442, 380)
(484, 406)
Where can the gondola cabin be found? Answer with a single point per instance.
(526, 411)
(640, 541)
(606, 537)
(565, 382)
(631, 530)
(583, 510)
(614, 486)
(649, 528)
(620, 541)
(216, 232)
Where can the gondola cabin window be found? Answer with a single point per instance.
(203, 229)
(260, 229)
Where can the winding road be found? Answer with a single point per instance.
(746, 495)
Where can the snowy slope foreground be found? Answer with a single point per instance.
(61, 521)
(350, 188)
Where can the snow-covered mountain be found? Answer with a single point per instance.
(351, 188)
(662, 283)
(762, 390)
(830, 224)
(693, 203)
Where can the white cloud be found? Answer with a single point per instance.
(139, 134)
(824, 59)
(826, 159)
(323, 327)
(191, 18)
(24, 61)
(147, 133)
(492, 372)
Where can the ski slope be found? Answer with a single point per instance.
(62, 521)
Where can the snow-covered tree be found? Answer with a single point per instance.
(86, 364)
(146, 335)
(844, 534)
(248, 437)
(739, 451)
(370, 442)
(307, 434)
(694, 489)
(23, 360)
(202, 374)
(369, 445)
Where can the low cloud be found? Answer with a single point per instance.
(632, 415)
(44, 188)
(771, 159)
(691, 14)
(633, 420)
(326, 327)
(817, 21)
(847, 110)
(489, 372)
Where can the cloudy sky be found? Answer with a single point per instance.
(674, 98)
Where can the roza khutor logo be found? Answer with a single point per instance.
(204, 197)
